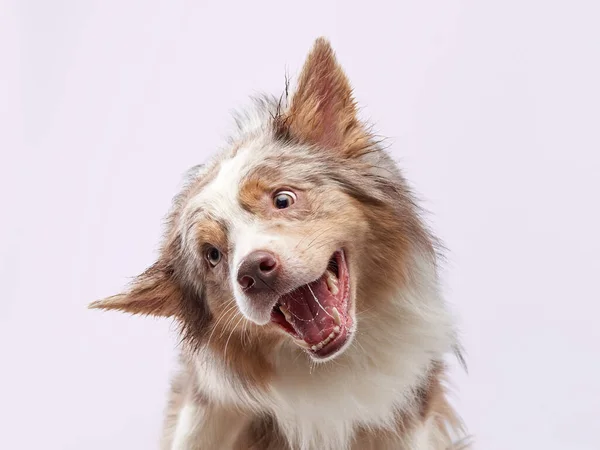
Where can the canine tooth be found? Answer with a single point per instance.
(314, 348)
(332, 335)
(286, 313)
(336, 316)
(332, 283)
(336, 330)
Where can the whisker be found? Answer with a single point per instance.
(243, 339)
(305, 236)
(232, 318)
(325, 230)
(231, 334)
(229, 309)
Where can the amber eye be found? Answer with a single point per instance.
(213, 256)
(284, 199)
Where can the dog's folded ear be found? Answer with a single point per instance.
(322, 110)
(153, 293)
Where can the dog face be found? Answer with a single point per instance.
(275, 232)
(299, 225)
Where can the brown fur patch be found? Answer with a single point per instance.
(211, 233)
(262, 434)
(254, 193)
(258, 191)
(246, 353)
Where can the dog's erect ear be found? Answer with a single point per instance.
(322, 110)
(153, 293)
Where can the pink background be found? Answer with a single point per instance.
(493, 109)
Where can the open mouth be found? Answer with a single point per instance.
(317, 314)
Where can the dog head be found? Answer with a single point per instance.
(301, 224)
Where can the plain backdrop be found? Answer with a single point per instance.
(492, 109)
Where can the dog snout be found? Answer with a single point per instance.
(258, 272)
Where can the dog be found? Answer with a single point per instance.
(305, 284)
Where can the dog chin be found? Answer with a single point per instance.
(258, 316)
(339, 351)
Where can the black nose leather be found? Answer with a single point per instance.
(258, 272)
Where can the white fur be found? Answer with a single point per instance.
(254, 120)
(186, 421)
(423, 437)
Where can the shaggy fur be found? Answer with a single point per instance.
(244, 383)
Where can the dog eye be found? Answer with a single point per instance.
(213, 256)
(284, 199)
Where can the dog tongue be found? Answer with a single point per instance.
(310, 310)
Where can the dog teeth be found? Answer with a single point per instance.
(324, 342)
(286, 313)
(336, 317)
(332, 282)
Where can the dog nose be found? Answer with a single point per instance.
(258, 271)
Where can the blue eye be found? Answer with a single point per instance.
(284, 199)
